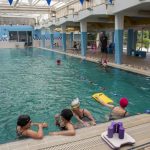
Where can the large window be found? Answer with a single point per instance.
(21, 36)
(13, 35)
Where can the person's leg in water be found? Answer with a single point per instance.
(106, 52)
(103, 53)
(101, 61)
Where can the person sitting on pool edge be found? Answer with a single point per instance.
(117, 112)
(23, 128)
(82, 115)
(63, 121)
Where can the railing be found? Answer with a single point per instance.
(76, 7)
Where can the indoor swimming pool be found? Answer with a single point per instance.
(32, 83)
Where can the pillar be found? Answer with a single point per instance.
(52, 37)
(130, 41)
(83, 29)
(42, 44)
(63, 27)
(71, 39)
(119, 25)
(135, 39)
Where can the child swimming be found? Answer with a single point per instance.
(64, 122)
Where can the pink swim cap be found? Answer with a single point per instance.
(123, 102)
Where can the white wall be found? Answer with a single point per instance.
(121, 5)
(36, 43)
(11, 44)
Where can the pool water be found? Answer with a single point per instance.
(32, 83)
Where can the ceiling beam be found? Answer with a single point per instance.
(16, 3)
(13, 16)
(36, 2)
(25, 9)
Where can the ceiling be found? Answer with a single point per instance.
(30, 8)
(32, 12)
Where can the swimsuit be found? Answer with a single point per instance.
(84, 117)
(20, 134)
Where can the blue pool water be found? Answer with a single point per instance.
(32, 83)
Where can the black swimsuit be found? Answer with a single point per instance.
(20, 134)
(83, 117)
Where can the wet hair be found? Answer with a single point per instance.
(66, 114)
(23, 120)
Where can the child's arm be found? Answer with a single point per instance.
(33, 134)
(69, 132)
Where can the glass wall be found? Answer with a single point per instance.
(21, 36)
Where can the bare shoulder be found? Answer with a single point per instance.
(28, 132)
(86, 111)
(117, 108)
(70, 126)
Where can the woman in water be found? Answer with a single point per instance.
(82, 115)
(117, 112)
(23, 128)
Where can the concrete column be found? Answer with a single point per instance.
(130, 41)
(42, 44)
(51, 37)
(135, 39)
(71, 39)
(83, 29)
(119, 25)
(63, 27)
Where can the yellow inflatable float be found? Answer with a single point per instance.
(103, 97)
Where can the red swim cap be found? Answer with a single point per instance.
(123, 102)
